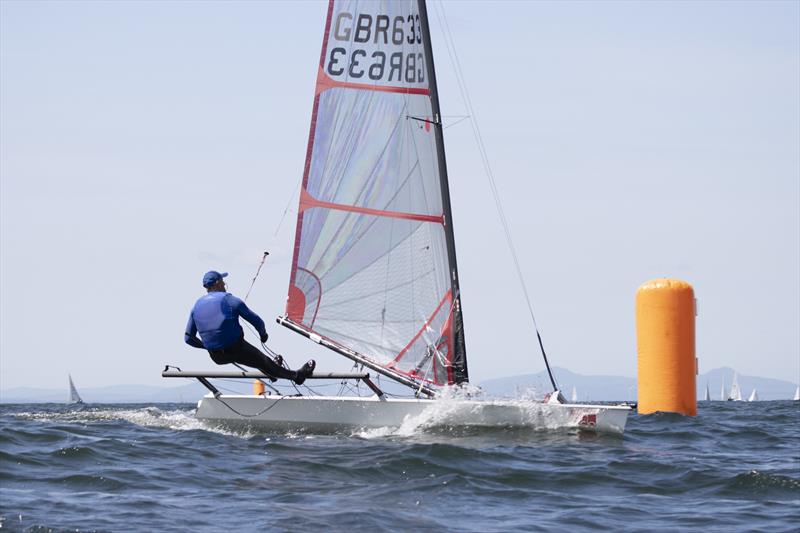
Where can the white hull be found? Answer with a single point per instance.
(330, 414)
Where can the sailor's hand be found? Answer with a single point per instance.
(278, 360)
(264, 337)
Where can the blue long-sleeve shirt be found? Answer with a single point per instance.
(215, 316)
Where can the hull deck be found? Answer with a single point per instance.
(330, 414)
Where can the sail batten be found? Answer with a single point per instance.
(308, 202)
(324, 82)
(374, 257)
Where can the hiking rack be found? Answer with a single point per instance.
(203, 375)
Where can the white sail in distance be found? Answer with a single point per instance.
(735, 394)
(74, 397)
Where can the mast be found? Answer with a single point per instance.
(459, 356)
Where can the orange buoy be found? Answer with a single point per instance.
(665, 338)
(258, 387)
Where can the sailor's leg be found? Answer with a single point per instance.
(245, 353)
(220, 357)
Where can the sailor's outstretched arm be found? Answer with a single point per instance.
(245, 312)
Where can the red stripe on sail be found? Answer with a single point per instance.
(325, 82)
(307, 166)
(307, 201)
(446, 298)
(296, 304)
(319, 295)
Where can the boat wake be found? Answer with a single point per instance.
(149, 417)
(457, 416)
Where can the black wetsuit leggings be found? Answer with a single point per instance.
(246, 354)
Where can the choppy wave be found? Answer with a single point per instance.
(157, 468)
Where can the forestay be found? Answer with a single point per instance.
(374, 268)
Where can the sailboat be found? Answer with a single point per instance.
(797, 394)
(374, 276)
(574, 398)
(722, 395)
(753, 396)
(74, 397)
(707, 395)
(735, 394)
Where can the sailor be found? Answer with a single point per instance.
(216, 317)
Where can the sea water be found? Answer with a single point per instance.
(734, 467)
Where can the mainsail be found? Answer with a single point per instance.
(74, 397)
(374, 268)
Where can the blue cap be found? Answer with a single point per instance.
(212, 276)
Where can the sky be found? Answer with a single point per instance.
(144, 143)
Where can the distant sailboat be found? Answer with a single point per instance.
(796, 394)
(74, 397)
(722, 396)
(707, 395)
(753, 396)
(736, 394)
(574, 395)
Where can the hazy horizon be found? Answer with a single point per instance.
(585, 387)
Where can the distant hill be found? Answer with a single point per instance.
(618, 388)
(588, 388)
(599, 388)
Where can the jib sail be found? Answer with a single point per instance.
(374, 269)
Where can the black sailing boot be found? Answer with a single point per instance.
(305, 371)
